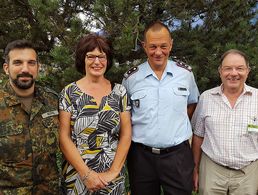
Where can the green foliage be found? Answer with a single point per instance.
(60, 79)
(225, 25)
(202, 31)
(61, 56)
(115, 74)
(69, 75)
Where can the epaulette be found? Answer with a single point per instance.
(183, 65)
(131, 71)
(51, 91)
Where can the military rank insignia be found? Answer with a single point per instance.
(185, 66)
(182, 64)
(130, 72)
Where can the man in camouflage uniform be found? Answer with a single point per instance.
(28, 126)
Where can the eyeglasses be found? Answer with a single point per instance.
(101, 57)
(228, 69)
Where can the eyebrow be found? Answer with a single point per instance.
(18, 60)
(102, 54)
(162, 44)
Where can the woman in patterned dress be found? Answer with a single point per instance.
(95, 125)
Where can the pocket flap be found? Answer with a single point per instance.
(181, 91)
(138, 95)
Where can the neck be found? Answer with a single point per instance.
(232, 95)
(232, 92)
(95, 80)
(23, 92)
(158, 70)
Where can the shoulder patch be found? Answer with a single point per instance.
(131, 71)
(184, 65)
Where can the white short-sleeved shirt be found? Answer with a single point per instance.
(224, 129)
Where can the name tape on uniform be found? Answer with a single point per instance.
(51, 113)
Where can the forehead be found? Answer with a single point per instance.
(96, 51)
(234, 59)
(22, 54)
(161, 36)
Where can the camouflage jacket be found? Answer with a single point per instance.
(28, 143)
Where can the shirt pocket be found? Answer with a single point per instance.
(13, 143)
(139, 104)
(137, 99)
(180, 96)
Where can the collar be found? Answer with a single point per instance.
(10, 96)
(12, 99)
(169, 67)
(148, 71)
(219, 90)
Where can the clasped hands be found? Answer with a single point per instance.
(96, 181)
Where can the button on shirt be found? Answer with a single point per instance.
(159, 107)
(226, 137)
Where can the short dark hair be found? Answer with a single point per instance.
(17, 44)
(89, 43)
(234, 51)
(155, 26)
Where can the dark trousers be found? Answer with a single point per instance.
(172, 171)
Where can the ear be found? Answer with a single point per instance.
(171, 45)
(39, 66)
(144, 46)
(219, 71)
(6, 68)
(248, 70)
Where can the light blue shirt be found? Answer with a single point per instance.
(159, 107)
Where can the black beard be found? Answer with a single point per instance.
(23, 84)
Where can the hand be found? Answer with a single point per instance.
(196, 179)
(109, 175)
(95, 182)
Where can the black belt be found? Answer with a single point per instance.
(161, 150)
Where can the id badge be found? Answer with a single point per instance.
(136, 103)
(253, 127)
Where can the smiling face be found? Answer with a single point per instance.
(95, 63)
(22, 68)
(233, 72)
(157, 46)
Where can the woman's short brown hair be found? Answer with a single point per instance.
(89, 43)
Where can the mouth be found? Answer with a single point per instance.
(158, 58)
(24, 77)
(233, 79)
(97, 68)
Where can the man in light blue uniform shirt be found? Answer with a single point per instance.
(163, 95)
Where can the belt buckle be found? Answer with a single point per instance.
(155, 150)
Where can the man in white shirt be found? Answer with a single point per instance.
(225, 141)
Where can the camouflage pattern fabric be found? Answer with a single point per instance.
(28, 143)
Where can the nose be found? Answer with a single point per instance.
(96, 60)
(25, 67)
(158, 51)
(234, 71)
